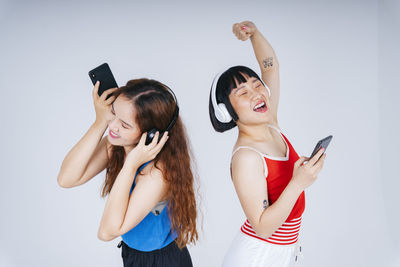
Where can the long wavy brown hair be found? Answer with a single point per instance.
(154, 107)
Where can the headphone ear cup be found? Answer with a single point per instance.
(222, 113)
(150, 136)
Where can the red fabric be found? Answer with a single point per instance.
(279, 175)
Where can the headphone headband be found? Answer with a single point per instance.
(152, 132)
(176, 111)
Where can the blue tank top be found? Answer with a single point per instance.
(153, 232)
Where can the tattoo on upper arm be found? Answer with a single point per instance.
(265, 204)
(268, 62)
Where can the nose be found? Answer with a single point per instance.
(113, 125)
(255, 94)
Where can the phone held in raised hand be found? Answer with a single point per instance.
(323, 143)
(103, 74)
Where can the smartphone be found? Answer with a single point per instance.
(103, 74)
(323, 143)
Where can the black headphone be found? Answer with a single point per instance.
(152, 132)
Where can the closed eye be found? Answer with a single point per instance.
(122, 124)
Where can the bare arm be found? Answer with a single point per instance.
(86, 159)
(251, 187)
(123, 212)
(89, 156)
(266, 59)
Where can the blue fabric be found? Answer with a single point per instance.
(153, 232)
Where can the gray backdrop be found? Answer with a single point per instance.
(338, 63)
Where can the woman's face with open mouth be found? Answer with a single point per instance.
(250, 100)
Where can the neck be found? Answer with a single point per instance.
(258, 133)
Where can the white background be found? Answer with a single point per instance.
(339, 75)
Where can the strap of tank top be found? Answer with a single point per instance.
(258, 152)
(139, 170)
(273, 127)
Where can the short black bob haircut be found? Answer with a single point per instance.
(228, 80)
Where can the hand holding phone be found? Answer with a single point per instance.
(104, 75)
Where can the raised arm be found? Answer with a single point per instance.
(89, 156)
(266, 58)
(251, 187)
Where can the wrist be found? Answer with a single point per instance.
(295, 187)
(132, 161)
(99, 123)
(130, 165)
(254, 33)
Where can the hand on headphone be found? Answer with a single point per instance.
(244, 30)
(143, 153)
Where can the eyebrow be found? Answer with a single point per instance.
(238, 88)
(112, 106)
(241, 87)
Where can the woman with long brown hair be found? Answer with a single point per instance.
(149, 181)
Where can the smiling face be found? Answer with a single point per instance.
(123, 129)
(250, 100)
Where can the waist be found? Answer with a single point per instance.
(169, 247)
(286, 234)
(153, 232)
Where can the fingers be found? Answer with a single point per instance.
(155, 146)
(242, 35)
(155, 140)
(314, 159)
(236, 29)
(110, 100)
(142, 140)
(95, 91)
(107, 92)
(245, 29)
(157, 136)
(239, 29)
(300, 161)
(320, 164)
(162, 142)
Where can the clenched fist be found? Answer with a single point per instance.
(244, 30)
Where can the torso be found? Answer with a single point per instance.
(278, 157)
(154, 231)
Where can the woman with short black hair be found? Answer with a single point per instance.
(268, 175)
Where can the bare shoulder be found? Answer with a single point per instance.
(245, 155)
(152, 173)
(245, 163)
(152, 178)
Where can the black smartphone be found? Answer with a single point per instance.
(323, 143)
(103, 74)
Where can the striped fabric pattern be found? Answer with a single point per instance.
(287, 234)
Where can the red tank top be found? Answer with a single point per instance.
(280, 171)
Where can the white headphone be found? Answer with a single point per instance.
(220, 110)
